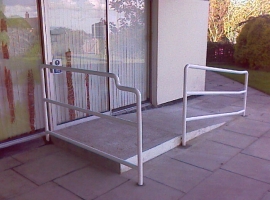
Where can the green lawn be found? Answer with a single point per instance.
(259, 80)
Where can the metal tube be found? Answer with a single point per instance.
(245, 95)
(91, 112)
(43, 72)
(185, 93)
(217, 69)
(97, 73)
(139, 139)
(184, 118)
(215, 92)
(139, 165)
(214, 116)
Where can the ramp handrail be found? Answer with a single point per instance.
(186, 93)
(138, 124)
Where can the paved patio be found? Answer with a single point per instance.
(230, 162)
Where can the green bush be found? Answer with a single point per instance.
(252, 49)
(220, 52)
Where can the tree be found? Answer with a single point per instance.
(217, 12)
(226, 17)
(253, 43)
(241, 11)
(133, 11)
(131, 24)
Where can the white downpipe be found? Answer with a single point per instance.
(185, 93)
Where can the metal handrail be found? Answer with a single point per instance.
(186, 93)
(45, 73)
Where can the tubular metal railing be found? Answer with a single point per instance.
(186, 93)
(138, 124)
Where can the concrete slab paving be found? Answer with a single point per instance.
(8, 162)
(259, 98)
(208, 155)
(216, 103)
(259, 115)
(223, 185)
(22, 147)
(91, 182)
(267, 196)
(267, 134)
(174, 173)
(249, 166)
(48, 191)
(248, 127)
(150, 190)
(36, 153)
(50, 167)
(231, 138)
(260, 148)
(13, 184)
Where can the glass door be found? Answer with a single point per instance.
(21, 110)
(77, 37)
(128, 49)
(102, 35)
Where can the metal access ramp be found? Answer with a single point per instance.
(48, 101)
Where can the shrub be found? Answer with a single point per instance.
(252, 49)
(220, 52)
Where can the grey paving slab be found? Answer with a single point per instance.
(51, 167)
(13, 184)
(8, 162)
(36, 153)
(259, 98)
(207, 155)
(150, 190)
(267, 196)
(260, 148)
(250, 166)
(48, 191)
(175, 174)
(89, 183)
(23, 147)
(215, 104)
(223, 185)
(227, 86)
(248, 127)
(231, 138)
(267, 134)
(258, 115)
(163, 121)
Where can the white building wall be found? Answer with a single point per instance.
(179, 37)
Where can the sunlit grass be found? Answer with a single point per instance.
(259, 80)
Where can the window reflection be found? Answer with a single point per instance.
(20, 56)
(78, 26)
(78, 38)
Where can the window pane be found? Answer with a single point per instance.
(20, 56)
(128, 48)
(78, 38)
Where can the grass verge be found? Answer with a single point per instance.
(259, 80)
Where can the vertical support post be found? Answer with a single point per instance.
(43, 72)
(139, 139)
(184, 118)
(245, 97)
